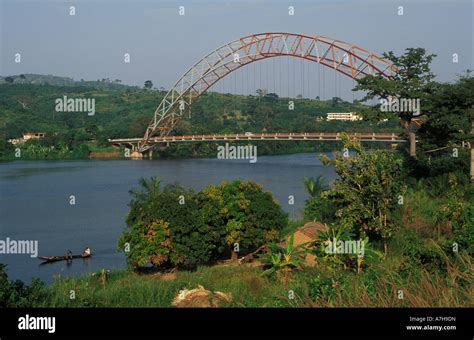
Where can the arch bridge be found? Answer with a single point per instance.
(348, 59)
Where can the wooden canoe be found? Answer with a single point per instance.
(48, 259)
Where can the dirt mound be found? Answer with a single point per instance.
(304, 236)
(201, 297)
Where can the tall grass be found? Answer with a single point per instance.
(377, 286)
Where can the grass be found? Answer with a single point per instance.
(129, 289)
(377, 286)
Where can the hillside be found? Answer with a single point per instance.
(124, 111)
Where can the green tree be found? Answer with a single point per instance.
(6, 149)
(171, 226)
(450, 121)
(248, 215)
(148, 84)
(368, 190)
(165, 227)
(317, 207)
(413, 80)
(14, 294)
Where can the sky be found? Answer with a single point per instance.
(163, 45)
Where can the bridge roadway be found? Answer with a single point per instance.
(310, 136)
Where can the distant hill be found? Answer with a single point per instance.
(41, 79)
(28, 103)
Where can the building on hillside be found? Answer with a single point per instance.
(27, 136)
(33, 135)
(347, 116)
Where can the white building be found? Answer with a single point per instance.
(352, 116)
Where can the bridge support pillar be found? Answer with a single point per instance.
(136, 155)
(141, 155)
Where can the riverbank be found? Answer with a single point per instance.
(377, 286)
(183, 152)
(420, 269)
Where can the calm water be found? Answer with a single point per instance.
(34, 202)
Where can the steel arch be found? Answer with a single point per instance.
(343, 57)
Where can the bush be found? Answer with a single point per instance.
(17, 294)
(368, 189)
(175, 227)
(167, 228)
(325, 288)
(419, 252)
(248, 215)
(319, 208)
(459, 212)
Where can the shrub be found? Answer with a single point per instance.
(181, 228)
(151, 243)
(459, 213)
(248, 215)
(419, 252)
(18, 294)
(167, 228)
(367, 190)
(319, 208)
(325, 288)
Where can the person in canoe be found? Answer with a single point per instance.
(86, 252)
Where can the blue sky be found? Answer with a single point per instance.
(162, 44)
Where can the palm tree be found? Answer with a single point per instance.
(150, 189)
(315, 186)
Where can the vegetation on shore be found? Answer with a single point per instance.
(414, 216)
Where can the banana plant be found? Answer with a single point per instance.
(284, 259)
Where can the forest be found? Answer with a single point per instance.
(125, 111)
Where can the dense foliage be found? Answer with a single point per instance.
(413, 80)
(17, 293)
(182, 228)
(318, 207)
(369, 189)
(447, 133)
(122, 111)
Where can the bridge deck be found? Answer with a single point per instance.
(317, 136)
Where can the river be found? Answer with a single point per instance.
(35, 202)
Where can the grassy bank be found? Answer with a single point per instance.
(419, 263)
(377, 286)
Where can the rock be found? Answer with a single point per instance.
(201, 297)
